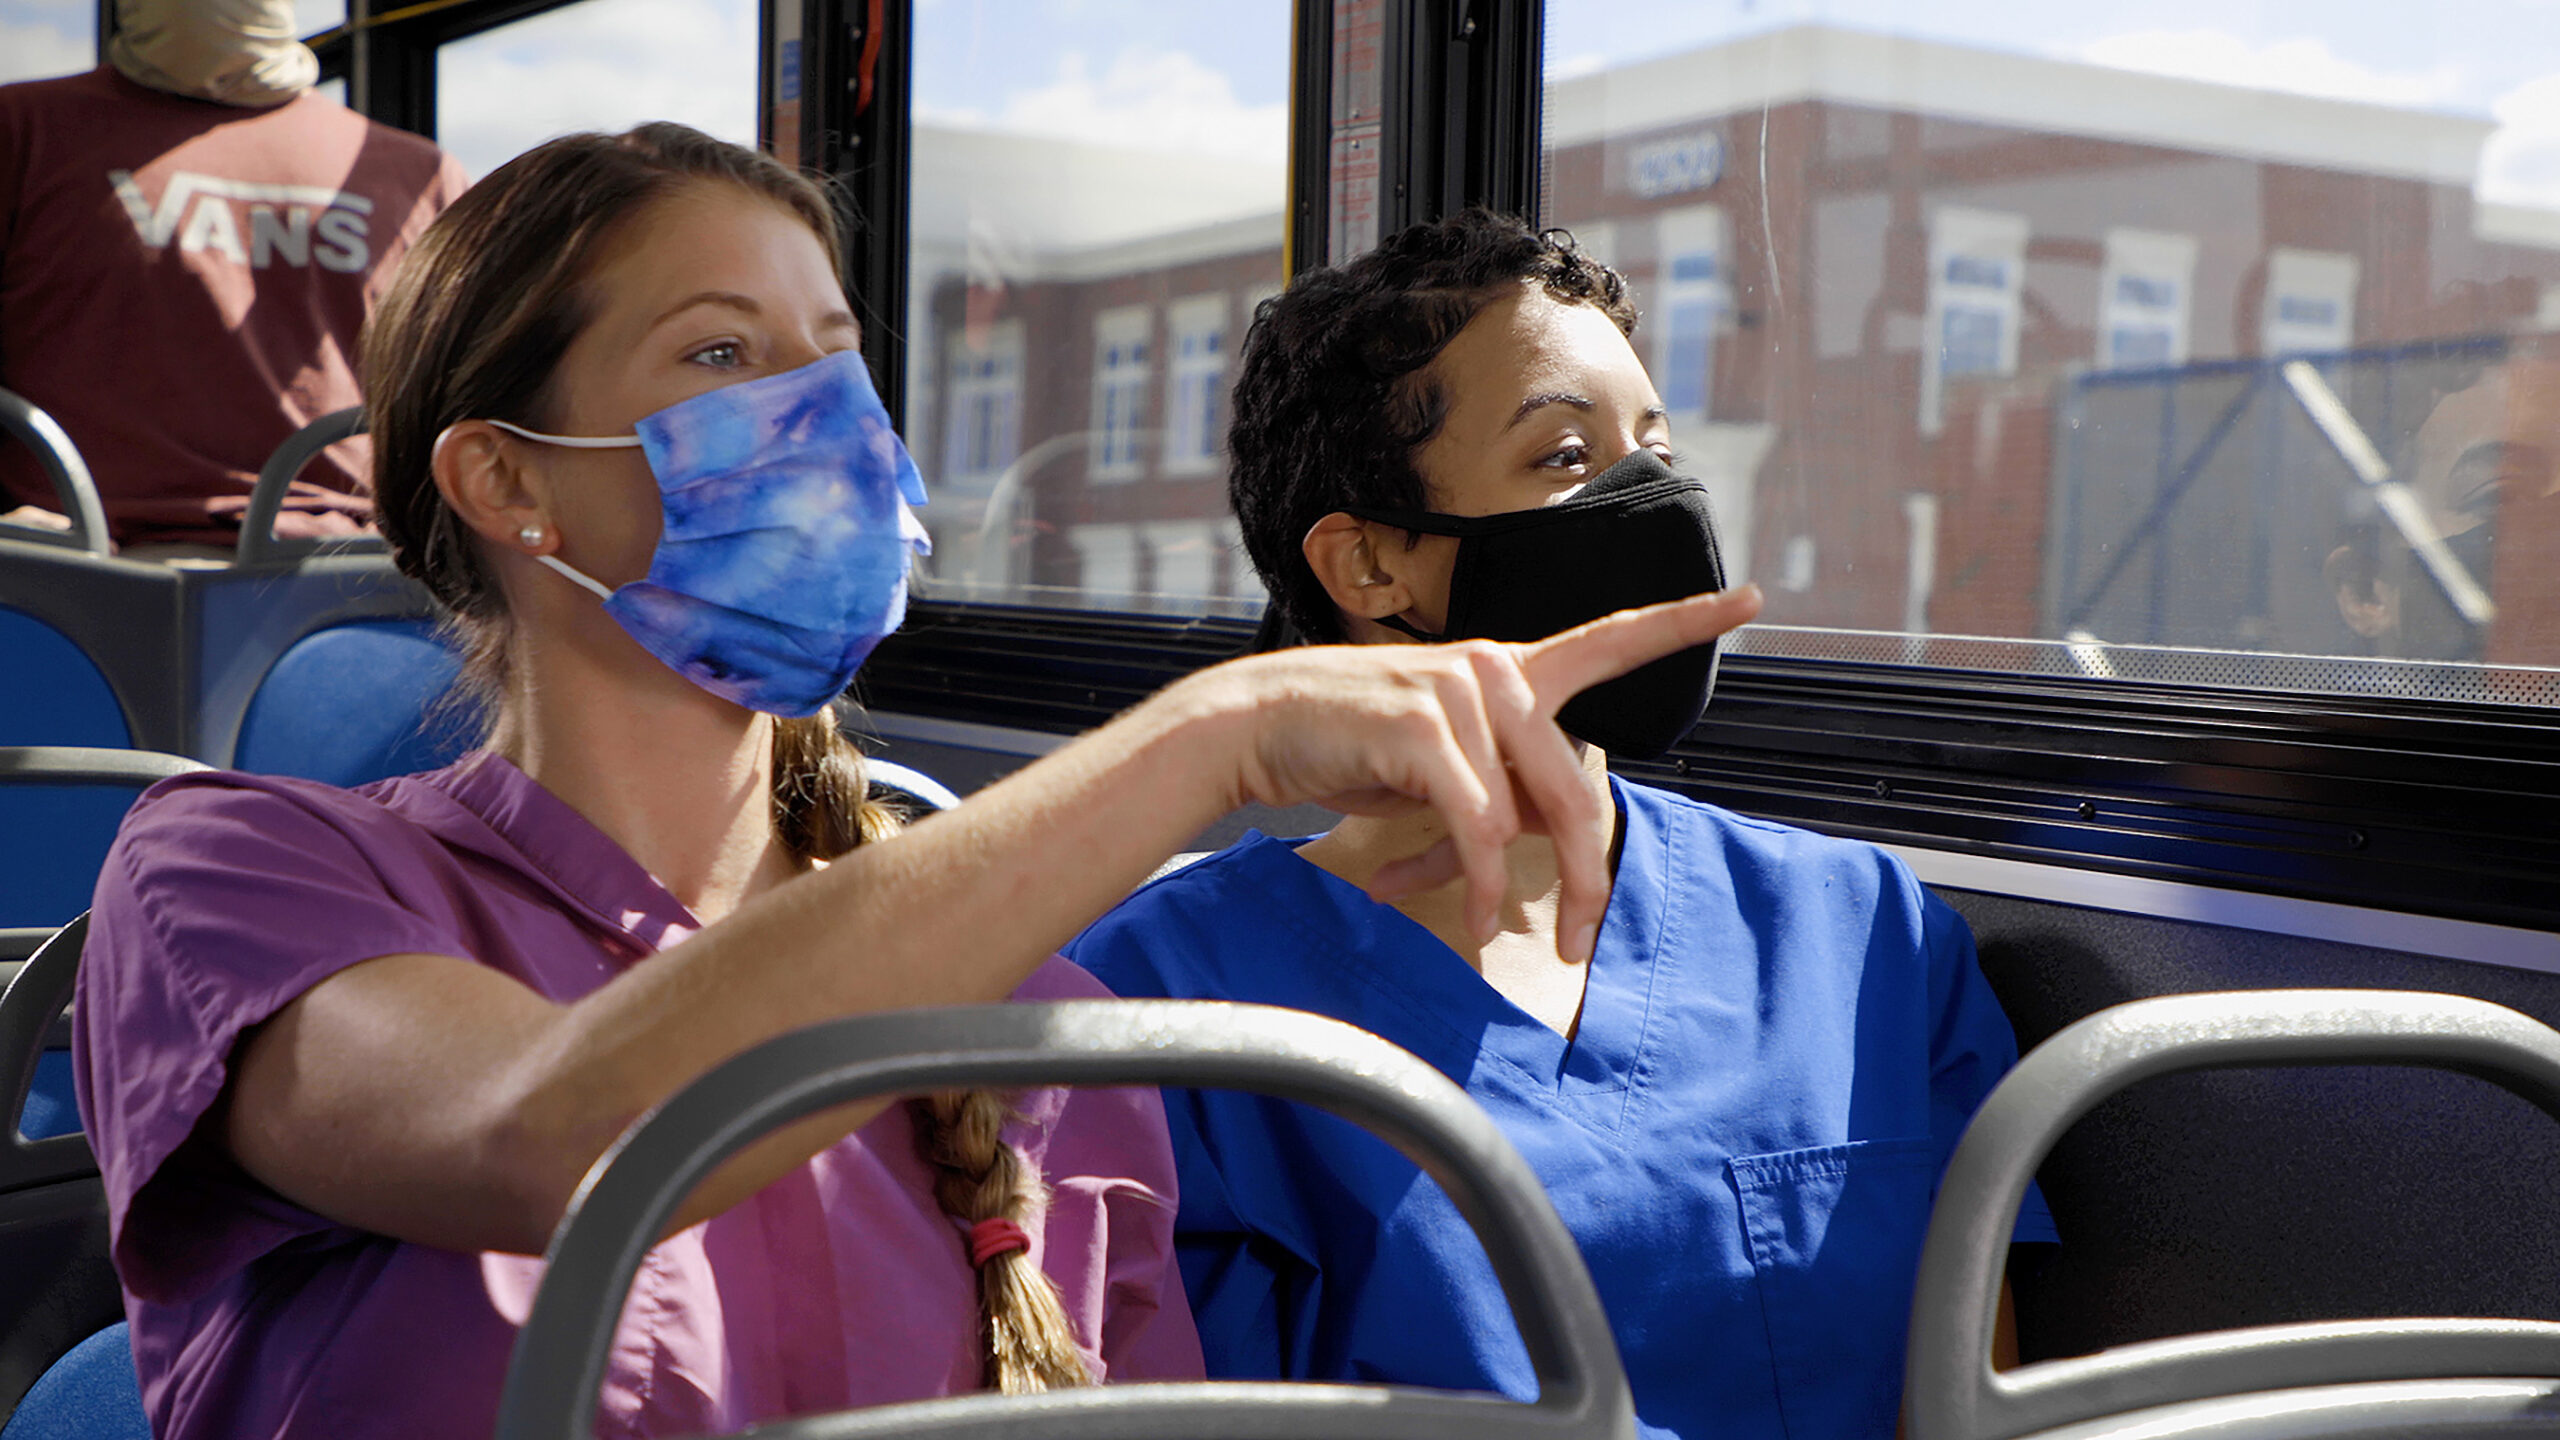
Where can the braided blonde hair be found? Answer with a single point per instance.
(822, 808)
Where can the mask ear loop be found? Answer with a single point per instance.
(594, 587)
(574, 442)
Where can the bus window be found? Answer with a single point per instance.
(47, 37)
(598, 65)
(312, 18)
(1097, 206)
(2084, 342)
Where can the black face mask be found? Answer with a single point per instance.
(1637, 535)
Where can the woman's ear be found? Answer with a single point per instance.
(484, 481)
(1345, 553)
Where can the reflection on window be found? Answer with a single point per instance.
(598, 65)
(39, 38)
(2099, 343)
(1097, 204)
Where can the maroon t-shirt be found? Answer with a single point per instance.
(182, 284)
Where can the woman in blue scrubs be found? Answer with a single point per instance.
(1742, 1102)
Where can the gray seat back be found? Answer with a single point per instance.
(53, 1209)
(635, 1189)
(1951, 1391)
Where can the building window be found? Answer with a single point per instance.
(1122, 367)
(984, 422)
(1977, 269)
(2143, 299)
(1692, 296)
(2311, 302)
(1197, 422)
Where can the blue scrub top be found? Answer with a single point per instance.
(1782, 1037)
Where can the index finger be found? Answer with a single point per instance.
(1566, 664)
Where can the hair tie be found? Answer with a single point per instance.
(991, 1238)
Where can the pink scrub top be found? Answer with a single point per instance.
(842, 1284)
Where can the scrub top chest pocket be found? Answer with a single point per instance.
(1834, 1235)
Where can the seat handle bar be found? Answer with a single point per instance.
(633, 1191)
(258, 542)
(34, 996)
(1950, 1389)
(72, 484)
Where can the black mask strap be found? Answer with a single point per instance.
(1403, 626)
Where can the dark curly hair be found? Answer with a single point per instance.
(1334, 392)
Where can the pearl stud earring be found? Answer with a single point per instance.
(531, 535)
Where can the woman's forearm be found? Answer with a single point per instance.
(436, 1100)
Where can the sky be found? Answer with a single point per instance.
(1211, 78)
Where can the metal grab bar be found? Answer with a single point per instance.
(36, 994)
(258, 542)
(72, 484)
(630, 1195)
(1950, 1390)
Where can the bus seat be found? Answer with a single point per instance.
(259, 543)
(59, 1285)
(559, 1358)
(59, 809)
(89, 1394)
(354, 703)
(53, 694)
(907, 788)
(50, 1109)
(2218, 1199)
(2318, 1381)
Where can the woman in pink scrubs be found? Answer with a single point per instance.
(345, 1054)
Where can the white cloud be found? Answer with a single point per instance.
(1575, 66)
(2301, 66)
(604, 65)
(32, 50)
(1148, 99)
(2521, 163)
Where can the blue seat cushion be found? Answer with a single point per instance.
(89, 1394)
(355, 703)
(53, 839)
(53, 694)
(50, 1108)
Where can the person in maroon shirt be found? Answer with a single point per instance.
(190, 240)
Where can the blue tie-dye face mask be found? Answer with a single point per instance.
(788, 535)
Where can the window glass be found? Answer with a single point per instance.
(598, 65)
(2209, 344)
(1097, 206)
(311, 17)
(47, 37)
